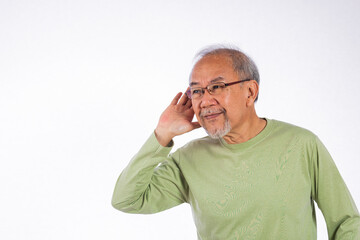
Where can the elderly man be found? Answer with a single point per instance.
(252, 178)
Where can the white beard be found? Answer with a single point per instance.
(218, 133)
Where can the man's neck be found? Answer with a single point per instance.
(246, 131)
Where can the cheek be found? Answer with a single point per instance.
(231, 106)
(225, 103)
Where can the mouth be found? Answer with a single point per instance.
(211, 114)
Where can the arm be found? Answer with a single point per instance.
(333, 198)
(144, 186)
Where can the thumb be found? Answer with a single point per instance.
(195, 124)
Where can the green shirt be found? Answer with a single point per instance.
(264, 188)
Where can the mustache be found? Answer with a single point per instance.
(208, 111)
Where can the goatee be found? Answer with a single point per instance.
(217, 132)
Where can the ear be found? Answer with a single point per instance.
(252, 91)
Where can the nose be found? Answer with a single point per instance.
(207, 100)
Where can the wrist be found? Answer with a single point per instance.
(163, 137)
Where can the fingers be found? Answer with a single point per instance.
(188, 92)
(184, 99)
(189, 103)
(176, 99)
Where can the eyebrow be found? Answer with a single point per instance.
(212, 81)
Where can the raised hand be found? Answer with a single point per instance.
(175, 120)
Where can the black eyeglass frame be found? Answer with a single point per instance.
(188, 92)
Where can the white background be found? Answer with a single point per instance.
(83, 83)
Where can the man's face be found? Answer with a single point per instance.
(224, 113)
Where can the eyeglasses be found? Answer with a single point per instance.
(213, 89)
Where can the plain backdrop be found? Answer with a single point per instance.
(83, 83)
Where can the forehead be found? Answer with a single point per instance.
(212, 67)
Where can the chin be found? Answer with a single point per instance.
(219, 132)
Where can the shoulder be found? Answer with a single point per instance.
(288, 129)
(286, 134)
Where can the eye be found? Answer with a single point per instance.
(216, 87)
(195, 91)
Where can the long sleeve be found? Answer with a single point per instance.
(333, 197)
(152, 181)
